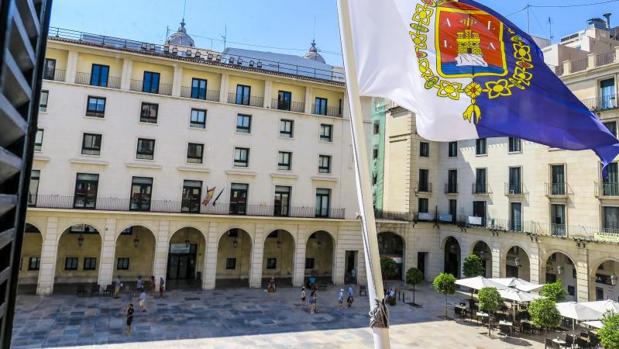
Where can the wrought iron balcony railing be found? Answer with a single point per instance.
(394, 216)
(208, 95)
(329, 111)
(451, 188)
(557, 190)
(55, 75)
(253, 101)
(294, 106)
(85, 79)
(607, 189)
(162, 89)
(481, 189)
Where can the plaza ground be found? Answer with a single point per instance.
(241, 318)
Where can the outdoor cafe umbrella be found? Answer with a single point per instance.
(479, 282)
(578, 311)
(595, 324)
(605, 306)
(518, 284)
(516, 296)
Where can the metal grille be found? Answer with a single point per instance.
(23, 36)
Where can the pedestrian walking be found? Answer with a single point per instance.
(350, 299)
(313, 300)
(303, 296)
(161, 287)
(153, 287)
(142, 300)
(117, 286)
(139, 284)
(340, 299)
(129, 318)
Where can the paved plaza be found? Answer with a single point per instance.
(240, 318)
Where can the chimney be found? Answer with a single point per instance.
(607, 16)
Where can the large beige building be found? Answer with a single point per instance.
(528, 210)
(203, 168)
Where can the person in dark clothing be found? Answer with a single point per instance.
(130, 312)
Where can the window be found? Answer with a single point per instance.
(271, 263)
(557, 219)
(453, 149)
(326, 132)
(198, 118)
(122, 263)
(192, 192)
(86, 186)
(612, 127)
(611, 219)
(480, 181)
(284, 160)
(515, 180)
(241, 157)
(38, 140)
(91, 144)
(309, 263)
(515, 144)
(195, 153)
(375, 152)
(33, 189)
(608, 97)
(611, 181)
(479, 210)
(557, 177)
(422, 205)
(424, 149)
(150, 84)
(284, 100)
(376, 127)
(90, 263)
(320, 106)
(515, 216)
(424, 185)
(323, 202)
(141, 190)
(99, 75)
(286, 128)
(324, 164)
(452, 181)
(70, 263)
(43, 100)
(95, 106)
(282, 201)
(149, 112)
(34, 263)
(480, 146)
(453, 209)
(243, 94)
(198, 88)
(243, 123)
(49, 71)
(230, 263)
(238, 198)
(146, 149)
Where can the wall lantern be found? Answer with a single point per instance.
(187, 243)
(235, 243)
(279, 244)
(80, 240)
(560, 269)
(613, 280)
(136, 241)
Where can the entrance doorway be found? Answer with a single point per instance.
(421, 262)
(351, 267)
(182, 262)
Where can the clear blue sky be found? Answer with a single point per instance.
(287, 24)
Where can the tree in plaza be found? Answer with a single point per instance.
(445, 284)
(473, 266)
(609, 334)
(554, 291)
(389, 268)
(544, 313)
(414, 276)
(489, 302)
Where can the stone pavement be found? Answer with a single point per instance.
(239, 318)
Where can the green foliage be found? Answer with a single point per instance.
(554, 291)
(414, 276)
(473, 266)
(609, 334)
(544, 313)
(389, 268)
(489, 299)
(444, 284)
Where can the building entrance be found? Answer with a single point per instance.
(182, 262)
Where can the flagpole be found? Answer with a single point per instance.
(379, 322)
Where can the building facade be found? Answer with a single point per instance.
(202, 168)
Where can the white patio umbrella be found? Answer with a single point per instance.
(519, 284)
(479, 282)
(578, 311)
(606, 306)
(514, 295)
(595, 324)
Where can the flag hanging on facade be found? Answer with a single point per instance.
(467, 72)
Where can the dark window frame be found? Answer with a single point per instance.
(145, 153)
(34, 263)
(286, 128)
(151, 82)
(88, 149)
(146, 112)
(481, 146)
(190, 201)
(97, 112)
(38, 141)
(284, 100)
(323, 194)
(452, 149)
(90, 263)
(281, 200)
(141, 201)
(286, 156)
(271, 263)
(71, 263)
(310, 263)
(243, 94)
(242, 128)
(424, 149)
(199, 92)
(49, 74)
(321, 167)
(123, 263)
(329, 137)
(100, 79)
(321, 106)
(197, 123)
(239, 194)
(231, 263)
(44, 101)
(240, 162)
(514, 144)
(85, 199)
(195, 159)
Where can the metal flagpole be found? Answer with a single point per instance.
(379, 322)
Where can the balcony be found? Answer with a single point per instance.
(514, 190)
(394, 216)
(481, 189)
(588, 62)
(181, 207)
(605, 58)
(559, 230)
(329, 111)
(425, 217)
(602, 103)
(297, 107)
(56, 75)
(162, 89)
(607, 190)
(84, 79)
(423, 188)
(451, 188)
(558, 190)
(208, 95)
(253, 101)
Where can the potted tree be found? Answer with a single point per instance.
(544, 313)
(609, 334)
(473, 266)
(554, 291)
(489, 302)
(445, 284)
(414, 276)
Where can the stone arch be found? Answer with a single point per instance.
(603, 279)
(244, 228)
(517, 262)
(320, 257)
(452, 256)
(78, 258)
(393, 245)
(32, 245)
(153, 228)
(234, 257)
(559, 265)
(278, 257)
(186, 253)
(76, 223)
(134, 254)
(483, 250)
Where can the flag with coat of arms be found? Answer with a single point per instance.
(467, 73)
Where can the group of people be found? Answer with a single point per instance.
(312, 301)
(141, 289)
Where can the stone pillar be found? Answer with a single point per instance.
(108, 251)
(49, 253)
(223, 89)
(567, 67)
(591, 60)
(210, 258)
(125, 78)
(268, 93)
(255, 269)
(160, 264)
(582, 275)
(298, 276)
(535, 264)
(177, 81)
(71, 72)
(308, 100)
(496, 260)
(339, 261)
